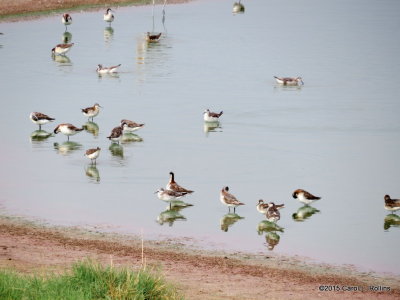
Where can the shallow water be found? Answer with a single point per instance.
(337, 136)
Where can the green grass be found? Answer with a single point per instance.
(87, 280)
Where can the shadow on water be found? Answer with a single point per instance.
(67, 147)
(391, 220)
(116, 150)
(172, 213)
(272, 239)
(66, 37)
(62, 60)
(211, 127)
(228, 220)
(130, 138)
(92, 128)
(304, 212)
(93, 173)
(40, 135)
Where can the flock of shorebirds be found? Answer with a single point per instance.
(173, 191)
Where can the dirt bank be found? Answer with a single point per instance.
(20, 9)
(199, 274)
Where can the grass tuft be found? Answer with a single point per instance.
(88, 280)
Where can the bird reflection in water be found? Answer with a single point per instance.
(211, 127)
(93, 173)
(62, 59)
(304, 213)
(130, 138)
(272, 239)
(228, 220)
(67, 147)
(271, 230)
(66, 37)
(172, 213)
(391, 220)
(108, 34)
(116, 150)
(92, 128)
(40, 135)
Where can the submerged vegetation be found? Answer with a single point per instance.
(88, 280)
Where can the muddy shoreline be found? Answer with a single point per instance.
(17, 10)
(199, 274)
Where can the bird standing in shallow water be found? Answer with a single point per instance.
(391, 204)
(211, 116)
(130, 126)
(108, 16)
(263, 207)
(152, 38)
(304, 196)
(66, 20)
(61, 49)
(228, 199)
(289, 80)
(91, 111)
(104, 70)
(116, 134)
(92, 154)
(173, 186)
(273, 214)
(67, 129)
(40, 119)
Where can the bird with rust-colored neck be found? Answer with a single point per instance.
(173, 186)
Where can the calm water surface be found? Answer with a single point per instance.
(338, 136)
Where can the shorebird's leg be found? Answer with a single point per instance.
(40, 127)
(234, 209)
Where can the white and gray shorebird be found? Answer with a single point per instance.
(228, 199)
(304, 196)
(91, 111)
(107, 70)
(169, 195)
(108, 16)
(391, 204)
(209, 116)
(263, 207)
(289, 80)
(67, 129)
(40, 119)
(66, 20)
(93, 154)
(61, 49)
(173, 186)
(130, 126)
(116, 134)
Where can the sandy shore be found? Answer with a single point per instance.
(19, 9)
(33, 248)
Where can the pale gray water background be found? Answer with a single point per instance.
(338, 136)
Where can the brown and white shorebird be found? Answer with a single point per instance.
(91, 111)
(107, 70)
(391, 204)
(272, 214)
(67, 129)
(108, 16)
(116, 134)
(173, 186)
(66, 20)
(304, 196)
(93, 154)
(289, 80)
(152, 38)
(130, 126)
(61, 49)
(209, 116)
(169, 195)
(263, 207)
(228, 199)
(40, 119)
